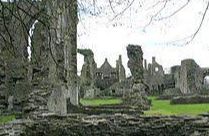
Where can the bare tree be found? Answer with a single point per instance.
(117, 12)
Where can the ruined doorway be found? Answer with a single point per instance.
(205, 85)
(206, 82)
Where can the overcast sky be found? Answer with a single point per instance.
(109, 38)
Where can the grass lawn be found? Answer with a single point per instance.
(100, 101)
(5, 119)
(163, 107)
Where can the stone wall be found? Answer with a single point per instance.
(154, 77)
(53, 62)
(121, 72)
(135, 62)
(14, 28)
(138, 96)
(87, 77)
(127, 125)
(193, 99)
(62, 60)
(188, 78)
(175, 71)
(190, 74)
(106, 76)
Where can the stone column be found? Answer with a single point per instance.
(137, 96)
(188, 77)
(63, 60)
(135, 62)
(87, 78)
(120, 69)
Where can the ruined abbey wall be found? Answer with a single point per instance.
(154, 77)
(53, 63)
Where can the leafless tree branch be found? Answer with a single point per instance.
(124, 10)
(175, 12)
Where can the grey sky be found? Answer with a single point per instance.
(109, 38)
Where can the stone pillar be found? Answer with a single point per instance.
(153, 60)
(135, 62)
(188, 77)
(87, 78)
(138, 95)
(175, 71)
(145, 64)
(63, 60)
(40, 53)
(120, 69)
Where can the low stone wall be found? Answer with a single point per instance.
(111, 109)
(14, 128)
(169, 94)
(112, 125)
(194, 99)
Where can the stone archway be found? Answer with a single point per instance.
(205, 80)
(205, 75)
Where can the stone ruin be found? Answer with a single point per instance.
(87, 77)
(107, 76)
(135, 62)
(137, 97)
(49, 77)
(47, 83)
(186, 80)
(97, 82)
(191, 77)
(154, 77)
(109, 81)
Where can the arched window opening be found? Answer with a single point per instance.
(206, 82)
(30, 40)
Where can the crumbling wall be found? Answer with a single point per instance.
(63, 53)
(87, 78)
(135, 62)
(137, 97)
(106, 76)
(154, 77)
(53, 63)
(175, 71)
(15, 25)
(121, 72)
(40, 53)
(190, 71)
(128, 125)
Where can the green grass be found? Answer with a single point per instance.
(163, 107)
(100, 101)
(159, 107)
(5, 119)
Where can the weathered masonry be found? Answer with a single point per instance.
(52, 67)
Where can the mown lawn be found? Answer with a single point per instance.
(5, 119)
(100, 101)
(163, 107)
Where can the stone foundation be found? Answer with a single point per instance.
(194, 99)
(103, 125)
